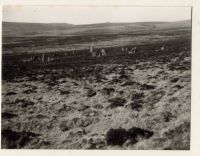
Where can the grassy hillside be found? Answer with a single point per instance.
(53, 29)
(31, 29)
(42, 38)
(76, 101)
(119, 101)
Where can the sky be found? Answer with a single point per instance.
(92, 14)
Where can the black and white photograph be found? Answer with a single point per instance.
(96, 77)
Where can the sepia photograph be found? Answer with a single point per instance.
(96, 77)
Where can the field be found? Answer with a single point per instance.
(118, 101)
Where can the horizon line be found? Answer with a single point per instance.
(93, 23)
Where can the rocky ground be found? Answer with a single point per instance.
(125, 102)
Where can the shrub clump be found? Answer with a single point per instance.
(135, 133)
(64, 92)
(12, 139)
(174, 80)
(147, 87)
(91, 93)
(29, 91)
(24, 103)
(7, 115)
(137, 101)
(77, 122)
(11, 93)
(137, 96)
(116, 102)
(108, 91)
(116, 136)
(120, 136)
(136, 105)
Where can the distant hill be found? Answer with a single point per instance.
(54, 29)
(175, 25)
(26, 29)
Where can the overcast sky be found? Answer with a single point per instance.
(87, 15)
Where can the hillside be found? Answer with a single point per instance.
(29, 29)
(53, 29)
(57, 95)
(60, 37)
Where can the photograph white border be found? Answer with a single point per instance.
(195, 97)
